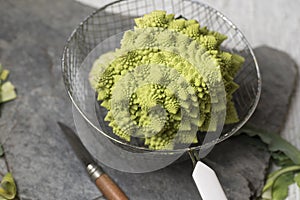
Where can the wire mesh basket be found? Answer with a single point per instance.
(118, 17)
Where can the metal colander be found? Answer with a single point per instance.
(114, 19)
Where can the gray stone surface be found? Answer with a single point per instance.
(31, 40)
(32, 36)
(3, 167)
(279, 77)
(241, 163)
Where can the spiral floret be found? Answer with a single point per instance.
(134, 91)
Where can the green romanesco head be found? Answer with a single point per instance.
(171, 65)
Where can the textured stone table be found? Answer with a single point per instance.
(44, 166)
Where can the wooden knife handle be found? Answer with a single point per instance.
(109, 188)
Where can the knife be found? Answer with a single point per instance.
(105, 184)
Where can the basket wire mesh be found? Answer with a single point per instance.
(118, 17)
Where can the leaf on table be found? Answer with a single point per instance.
(281, 186)
(275, 143)
(267, 195)
(297, 179)
(276, 174)
(8, 188)
(286, 156)
(280, 159)
(8, 92)
(4, 74)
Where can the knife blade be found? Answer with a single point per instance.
(105, 184)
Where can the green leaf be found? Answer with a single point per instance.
(285, 155)
(1, 151)
(280, 159)
(7, 92)
(8, 188)
(4, 74)
(297, 179)
(276, 174)
(281, 186)
(275, 143)
(267, 195)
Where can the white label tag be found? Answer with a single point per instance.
(208, 183)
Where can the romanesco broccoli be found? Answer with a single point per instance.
(162, 84)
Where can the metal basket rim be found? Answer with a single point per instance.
(196, 148)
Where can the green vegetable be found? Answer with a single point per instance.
(7, 90)
(275, 143)
(284, 155)
(4, 74)
(281, 186)
(278, 182)
(281, 159)
(166, 105)
(8, 188)
(297, 179)
(275, 175)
